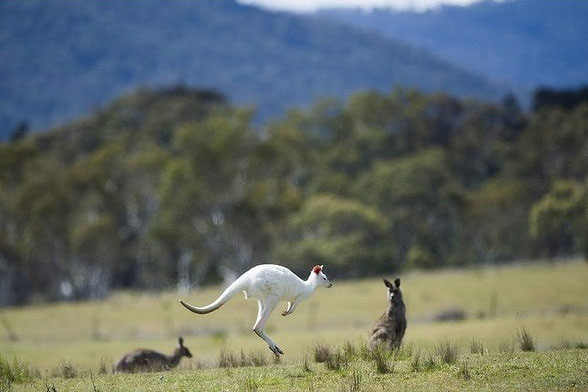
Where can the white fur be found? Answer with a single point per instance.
(269, 284)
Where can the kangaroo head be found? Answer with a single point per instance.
(322, 279)
(183, 351)
(394, 293)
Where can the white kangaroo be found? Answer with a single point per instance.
(269, 284)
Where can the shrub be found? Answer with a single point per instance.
(525, 339)
(227, 359)
(429, 363)
(420, 362)
(322, 352)
(68, 370)
(336, 361)
(333, 358)
(383, 358)
(13, 373)
(384, 365)
(364, 351)
(257, 358)
(447, 352)
(349, 350)
(103, 367)
(476, 346)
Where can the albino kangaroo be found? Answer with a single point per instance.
(269, 284)
(391, 325)
(149, 360)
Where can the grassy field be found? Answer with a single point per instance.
(550, 300)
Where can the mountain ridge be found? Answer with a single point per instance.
(522, 43)
(65, 59)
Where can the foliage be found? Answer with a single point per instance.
(566, 99)
(555, 219)
(525, 339)
(418, 257)
(340, 232)
(447, 352)
(13, 373)
(176, 187)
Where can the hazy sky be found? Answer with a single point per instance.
(309, 5)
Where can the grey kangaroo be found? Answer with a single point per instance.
(390, 327)
(143, 360)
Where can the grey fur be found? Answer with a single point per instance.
(143, 360)
(390, 327)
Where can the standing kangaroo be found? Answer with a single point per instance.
(143, 360)
(391, 326)
(269, 284)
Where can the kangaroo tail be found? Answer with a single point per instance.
(229, 293)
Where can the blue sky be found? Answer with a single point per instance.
(310, 5)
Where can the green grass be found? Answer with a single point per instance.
(62, 340)
(537, 371)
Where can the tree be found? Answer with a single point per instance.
(555, 220)
(554, 146)
(204, 195)
(494, 227)
(545, 97)
(420, 198)
(344, 234)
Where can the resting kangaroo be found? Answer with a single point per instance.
(143, 360)
(269, 284)
(391, 326)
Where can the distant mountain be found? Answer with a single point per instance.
(61, 59)
(524, 43)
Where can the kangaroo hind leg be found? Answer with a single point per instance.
(265, 308)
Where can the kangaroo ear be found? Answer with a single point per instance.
(317, 269)
(397, 282)
(181, 341)
(387, 283)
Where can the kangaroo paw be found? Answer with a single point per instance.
(285, 313)
(276, 350)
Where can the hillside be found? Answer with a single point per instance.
(62, 59)
(523, 43)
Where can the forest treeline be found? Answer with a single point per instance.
(175, 187)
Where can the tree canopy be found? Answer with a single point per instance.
(176, 187)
